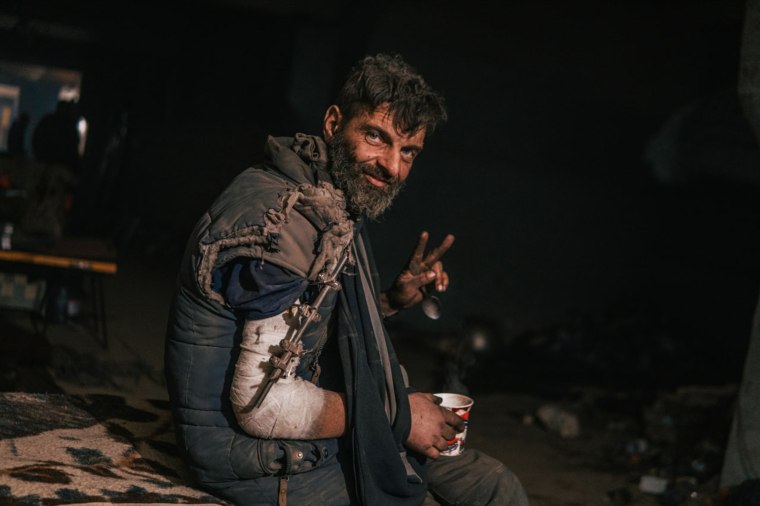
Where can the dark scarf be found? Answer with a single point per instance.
(384, 473)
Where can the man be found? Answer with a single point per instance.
(55, 139)
(284, 242)
(17, 135)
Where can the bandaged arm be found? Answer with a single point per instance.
(293, 408)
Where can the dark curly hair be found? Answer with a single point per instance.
(384, 78)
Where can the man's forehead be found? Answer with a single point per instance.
(384, 118)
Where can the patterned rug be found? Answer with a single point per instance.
(67, 449)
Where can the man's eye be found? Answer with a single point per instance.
(373, 136)
(409, 153)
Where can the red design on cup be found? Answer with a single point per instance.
(460, 405)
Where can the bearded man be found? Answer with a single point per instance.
(285, 243)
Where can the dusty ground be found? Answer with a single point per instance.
(590, 469)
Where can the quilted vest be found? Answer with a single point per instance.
(272, 213)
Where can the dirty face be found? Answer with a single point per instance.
(370, 158)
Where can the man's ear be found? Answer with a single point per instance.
(331, 123)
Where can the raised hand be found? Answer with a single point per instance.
(422, 269)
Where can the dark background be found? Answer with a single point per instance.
(596, 169)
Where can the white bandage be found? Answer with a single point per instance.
(293, 406)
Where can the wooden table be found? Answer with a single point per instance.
(88, 257)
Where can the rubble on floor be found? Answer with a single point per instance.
(619, 392)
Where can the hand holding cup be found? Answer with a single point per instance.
(460, 405)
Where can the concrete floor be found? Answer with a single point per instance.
(554, 471)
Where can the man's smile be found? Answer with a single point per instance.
(375, 182)
(376, 176)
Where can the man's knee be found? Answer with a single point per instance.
(475, 478)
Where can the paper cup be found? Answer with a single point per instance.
(460, 405)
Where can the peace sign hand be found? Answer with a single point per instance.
(421, 270)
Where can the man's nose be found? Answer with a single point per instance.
(390, 162)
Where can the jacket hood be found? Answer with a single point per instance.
(289, 154)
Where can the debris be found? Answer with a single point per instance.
(653, 484)
(558, 420)
(683, 491)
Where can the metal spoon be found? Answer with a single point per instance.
(431, 305)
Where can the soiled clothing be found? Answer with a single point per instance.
(274, 232)
(286, 213)
(257, 290)
(475, 479)
(472, 479)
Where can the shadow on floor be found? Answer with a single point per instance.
(25, 357)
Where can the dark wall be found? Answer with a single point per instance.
(567, 121)
(546, 172)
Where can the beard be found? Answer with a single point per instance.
(362, 197)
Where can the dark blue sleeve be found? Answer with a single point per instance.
(257, 289)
